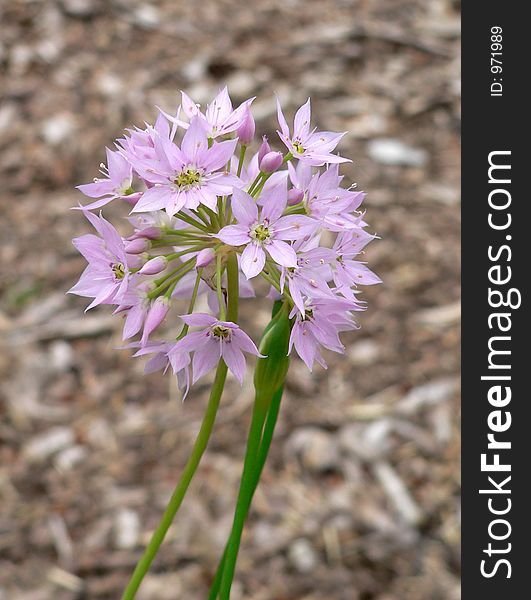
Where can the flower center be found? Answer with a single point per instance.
(119, 270)
(187, 179)
(221, 332)
(261, 233)
(126, 188)
(298, 147)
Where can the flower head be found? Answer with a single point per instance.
(210, 214)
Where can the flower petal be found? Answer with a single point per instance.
(234, 359)
(275, 201)
(282, 253)
(102, 187)
(295, 227)
(205, 358)
(154, 198)
(244, 208)
(234, 235)
(253, 260)
(301, 124)
(199, 319)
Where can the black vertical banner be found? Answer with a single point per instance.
(496, 272)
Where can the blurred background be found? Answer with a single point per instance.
(359, 500)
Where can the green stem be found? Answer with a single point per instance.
(263, 451)
(186, 327)
(243, 150)
(255, 183)
(180, 491)
(233, 285)
(191, 221)
(246, 491)
(219, 289)
(170, 279)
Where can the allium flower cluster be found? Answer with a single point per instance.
(197, 197)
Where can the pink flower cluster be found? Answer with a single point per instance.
(195, 202)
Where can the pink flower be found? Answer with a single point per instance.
(310, 276)
(116, 183)
(319, 326)
(266, 232)
(310, 146)
(188, 176)
(219, 118)
(346, 271)
(166, 356)
(325, 200)
(217, 339)
(107, 275)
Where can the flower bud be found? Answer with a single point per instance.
(154, 266)
(271, 162)
(270, 372)
(295, 196)
(245, 131)
(155, 316)
(151, 233)
(205, 257)
(137, 246)
(264, 149)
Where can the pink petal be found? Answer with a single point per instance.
(205, 358)
(194, 140)
(282, 120)
(234, 359)
(98, 204)
(294, 227)
(234, 235)
(119, 167)
(133, 321)
(240, 338)
(189, 106)
(97, 189)
(155, 198)
(199, 319)
(275, 201)
(244, 208)
(282, 253)
(219, 155)
(253, 260)
(301, 124)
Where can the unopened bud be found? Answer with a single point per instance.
(245, 131)
(295, 196)
(205, 257)
(151, 233)
(271, 162)
(137, 246)
(270, 372)
(155, 316)
(265, 148)
(154, 266)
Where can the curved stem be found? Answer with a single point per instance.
(180, 491)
